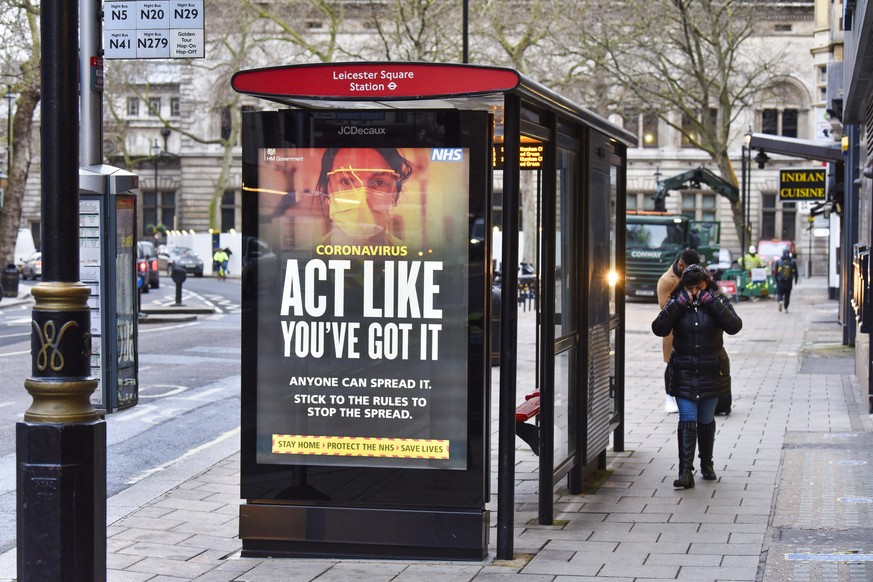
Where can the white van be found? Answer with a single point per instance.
(24, 247)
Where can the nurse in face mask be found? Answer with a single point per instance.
(361, 187)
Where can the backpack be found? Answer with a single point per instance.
(783, 271)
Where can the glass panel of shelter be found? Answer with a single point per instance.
(566, 290)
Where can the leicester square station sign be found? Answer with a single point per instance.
(802, 184)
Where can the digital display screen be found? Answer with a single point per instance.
(362, 357)
(365, 289)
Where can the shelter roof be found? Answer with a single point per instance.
(400, 85)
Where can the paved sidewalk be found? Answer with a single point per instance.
(793, 500)
(21, 298)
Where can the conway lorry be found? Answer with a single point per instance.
(655, 239)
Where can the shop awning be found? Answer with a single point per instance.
(798, 148)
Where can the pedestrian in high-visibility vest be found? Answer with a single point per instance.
(219, 261)
(752, 260)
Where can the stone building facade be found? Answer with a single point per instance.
(179, 172)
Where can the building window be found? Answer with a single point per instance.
(690, 135)
(228, 210)
(778, 220)
(650, 130)
(789, 123)
(175, 107)
(707, 207)
(226, 122)
(699, 206)
(644, 126)
(133, 106)
(689, 132)
(782, 122)
(689, 205)
(154, 106)
(158, 208)
(640, 201)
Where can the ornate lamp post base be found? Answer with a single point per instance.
(61, 446)
(61, 488)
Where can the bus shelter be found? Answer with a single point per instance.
(386, 211)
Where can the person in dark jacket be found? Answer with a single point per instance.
(786, 276)
(697, 314)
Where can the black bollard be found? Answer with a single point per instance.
(178, 275)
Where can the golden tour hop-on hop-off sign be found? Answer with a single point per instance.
(802, 184)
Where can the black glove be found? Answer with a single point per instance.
(705, 297)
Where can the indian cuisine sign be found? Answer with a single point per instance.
(802, 184)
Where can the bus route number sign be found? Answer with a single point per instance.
(153, 29)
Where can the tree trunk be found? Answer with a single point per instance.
(726, 170)
(13, 196)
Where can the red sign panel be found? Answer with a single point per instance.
(369, 81)
(728, 287)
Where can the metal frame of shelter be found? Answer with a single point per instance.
(580, 299)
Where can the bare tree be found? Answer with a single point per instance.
(21, 48)
(310, 27)
(411, 30)
(687, 56)
(517, 34)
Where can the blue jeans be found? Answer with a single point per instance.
(702, 411)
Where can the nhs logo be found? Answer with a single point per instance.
(446, 155)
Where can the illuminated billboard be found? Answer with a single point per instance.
(368, 360)
(364, 294)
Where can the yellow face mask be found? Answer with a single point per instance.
(351, 214)
(361, 199)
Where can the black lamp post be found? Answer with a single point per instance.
(466, 31)
(157, 153)
(61, 441)
(9, 98)
(4, 176)
(761, 159)
(744, 185)
(745, 189)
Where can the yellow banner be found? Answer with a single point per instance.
(289, 444)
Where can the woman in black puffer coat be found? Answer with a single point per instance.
(698, 314)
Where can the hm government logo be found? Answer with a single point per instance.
(355, 130)
(270, 156)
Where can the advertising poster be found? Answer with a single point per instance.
(362, 325)
(126, 301)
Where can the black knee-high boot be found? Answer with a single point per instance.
(687, 436)
(706, 441)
